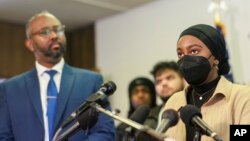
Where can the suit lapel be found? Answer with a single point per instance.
(32, 84)
(67, 82)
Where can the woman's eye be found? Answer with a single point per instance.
(179, 54)
(194, 52)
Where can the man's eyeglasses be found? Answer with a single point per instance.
(46, 31)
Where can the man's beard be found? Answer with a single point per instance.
(55, 54)
(165, 98)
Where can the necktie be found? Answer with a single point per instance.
(51, 101)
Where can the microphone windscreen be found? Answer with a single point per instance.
(140, 114)
(109, 87)
(91, 116)
(188, 112)
(171, 115)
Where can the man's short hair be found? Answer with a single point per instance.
(43, 13)
(163, 65)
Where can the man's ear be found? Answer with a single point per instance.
(29, 45)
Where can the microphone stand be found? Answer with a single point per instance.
(71, 130)
(132, 123)
(129, 122)
(197, 136)
(130, 134)
(64, 136)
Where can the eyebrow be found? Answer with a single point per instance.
(190, 46)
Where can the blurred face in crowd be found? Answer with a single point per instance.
(46, 39)
(140, 95)
(167, 82)
(191, 46)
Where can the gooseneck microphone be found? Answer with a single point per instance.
(105, 90)
(191, 115)
(169, 118)
(85, 112)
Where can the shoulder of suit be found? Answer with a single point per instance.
(19, 77)
(82, 71)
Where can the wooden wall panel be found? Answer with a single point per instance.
(81, 47)
(15, 58)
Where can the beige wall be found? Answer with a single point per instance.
(129, 44)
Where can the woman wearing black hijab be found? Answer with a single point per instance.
(203, 60)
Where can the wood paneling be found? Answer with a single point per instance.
(15, 58)
(81, 47)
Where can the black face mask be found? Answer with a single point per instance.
(195, 69)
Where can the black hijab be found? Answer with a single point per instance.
(215, 42)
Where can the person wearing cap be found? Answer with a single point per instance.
(141, 91)
(203, 60)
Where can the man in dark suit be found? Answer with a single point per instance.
(24, 100)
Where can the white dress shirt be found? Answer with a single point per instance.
(44, 78)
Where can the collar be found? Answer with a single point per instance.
(223, 88)
(58, 67)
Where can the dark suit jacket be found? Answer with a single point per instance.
(21, 116)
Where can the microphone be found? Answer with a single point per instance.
(105, 90)
(126, 132)
(91, 116)
(139, 115)
(86, 112)
(135, 125)
(191, 115)
(169, 118)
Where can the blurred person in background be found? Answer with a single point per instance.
(141, 91)
(168, 80)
